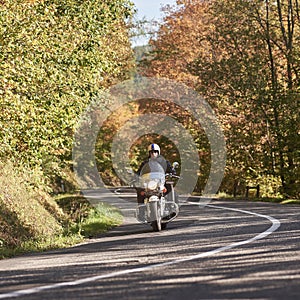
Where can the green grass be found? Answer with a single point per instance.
(88, 220)
(33, 220)
(99, 220)
(84, 221)
(30, 246)
(260, 199)
(253, 198)
(290, 201)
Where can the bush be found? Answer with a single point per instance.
(88, 220)
(26, 212)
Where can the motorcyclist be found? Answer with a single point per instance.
(154, 153)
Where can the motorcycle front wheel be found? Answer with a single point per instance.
(155, 216)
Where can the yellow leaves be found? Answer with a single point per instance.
(55, 56)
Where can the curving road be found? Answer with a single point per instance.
(225, 250)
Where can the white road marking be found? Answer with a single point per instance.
(275, 226)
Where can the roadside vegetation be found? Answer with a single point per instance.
(32, 220)
(56, 56)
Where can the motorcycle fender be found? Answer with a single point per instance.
(153, 199)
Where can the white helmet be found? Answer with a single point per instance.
(154, 147)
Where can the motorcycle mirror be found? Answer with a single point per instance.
(175, 165)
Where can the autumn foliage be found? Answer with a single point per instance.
(244, 57)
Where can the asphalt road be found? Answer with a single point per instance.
(224, 250)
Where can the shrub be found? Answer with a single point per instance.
(26, 212)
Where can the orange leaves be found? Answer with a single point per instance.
(178, 42)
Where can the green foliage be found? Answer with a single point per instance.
(270, 186)
(29, 246)
(291, 201)
(99, 220)
(31, 220)
(88, 220)
(54, 57)
(26, 213)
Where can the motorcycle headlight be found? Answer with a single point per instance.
(152, 185)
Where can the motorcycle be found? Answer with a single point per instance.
(161, 204)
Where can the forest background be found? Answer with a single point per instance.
(57, 56)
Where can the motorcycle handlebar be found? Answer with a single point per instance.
(172, 175)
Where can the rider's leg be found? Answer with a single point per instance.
(141, 207)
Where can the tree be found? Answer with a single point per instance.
(177, 42)
(55, 57)
(244, 57)
(260, 54)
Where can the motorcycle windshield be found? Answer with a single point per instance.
(152, 171)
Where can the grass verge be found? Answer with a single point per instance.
(278, 200)
(87, 220)
(84, 221)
